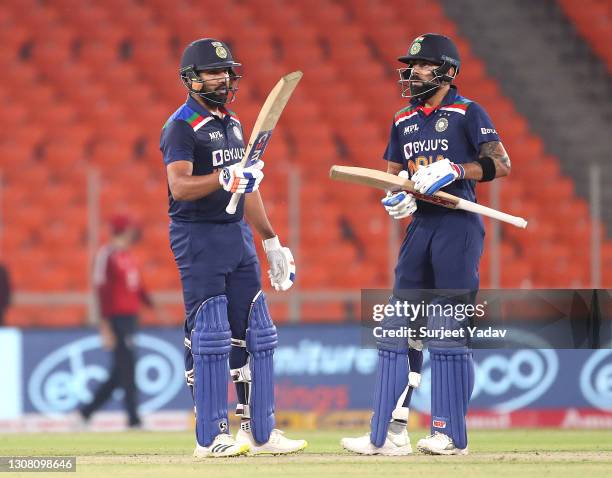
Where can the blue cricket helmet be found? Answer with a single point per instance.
(207, 54)
(203, 55)
(436, 49)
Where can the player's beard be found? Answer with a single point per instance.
(424, 91)
(216, 97)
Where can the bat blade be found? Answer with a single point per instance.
(265, 123)
(275, 103)
(367, 177)
(391, 182)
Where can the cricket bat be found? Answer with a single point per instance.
(264, 125)
(390, 182)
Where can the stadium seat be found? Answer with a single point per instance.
(592, 19)
(107, 81)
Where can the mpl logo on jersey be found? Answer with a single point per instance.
(413, 128)
(67, 377)
(505, 380)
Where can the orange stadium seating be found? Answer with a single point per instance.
(84, 87)
(593, 20)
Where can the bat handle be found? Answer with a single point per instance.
(233, 204)
(492, 213)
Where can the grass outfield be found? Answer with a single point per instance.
(515, 453)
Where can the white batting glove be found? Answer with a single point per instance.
(433, 177)
(400, 204)
(236, 179)
(282, 265)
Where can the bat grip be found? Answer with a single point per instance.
(233, 204)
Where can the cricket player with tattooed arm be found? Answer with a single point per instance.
(228, 328)
(442, 141)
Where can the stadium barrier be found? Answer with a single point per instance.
(323, 379)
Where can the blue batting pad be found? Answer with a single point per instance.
(391, 379)
(261, 340)
(210, 347)
(452, 382)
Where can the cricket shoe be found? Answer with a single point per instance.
(396, 444)
(278, 444)
(439, 444)
(223, 445)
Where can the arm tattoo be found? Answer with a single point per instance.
(495, 150)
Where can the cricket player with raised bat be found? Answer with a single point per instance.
(228, 328)
(442, 141)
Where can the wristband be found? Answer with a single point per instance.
(488, 168)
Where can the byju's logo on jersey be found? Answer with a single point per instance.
(413, 128)
(487, 131)
(417, 147)
(215, 135)
(222, 156)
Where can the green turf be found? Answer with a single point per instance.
(514, 453)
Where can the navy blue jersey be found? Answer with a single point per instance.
(193, 134)
(455, 130)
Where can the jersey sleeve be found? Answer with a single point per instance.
(177, 142)
(393, 152)
(479, 126)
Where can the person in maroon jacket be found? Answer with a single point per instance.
(120, 295)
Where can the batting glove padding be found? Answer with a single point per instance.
(400, 204)
(236, 179)
(433, 177)
(282, 265)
